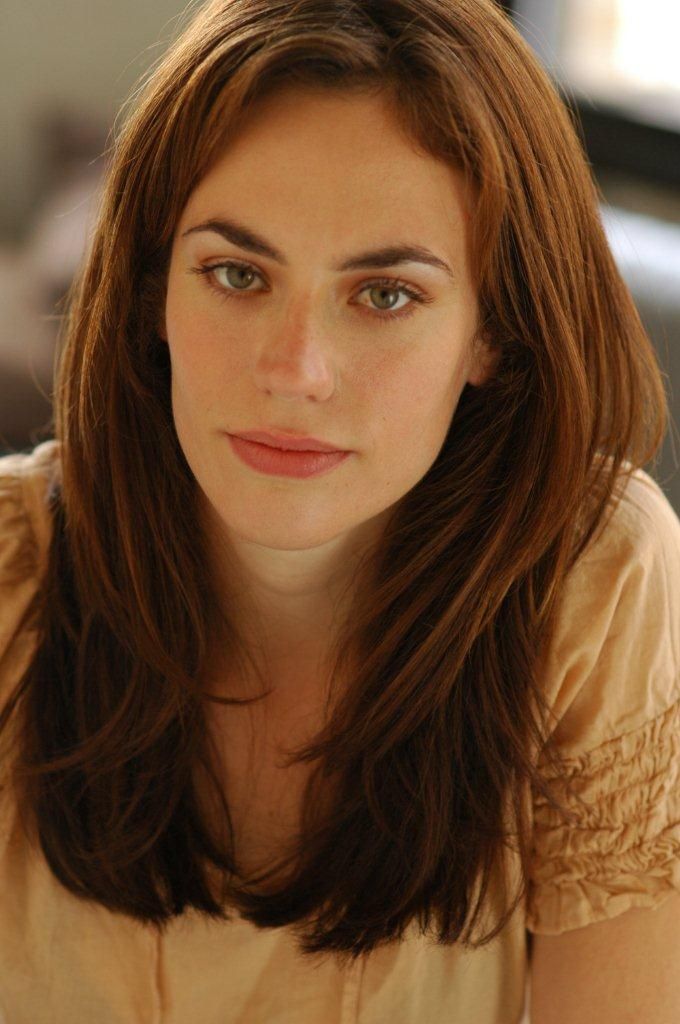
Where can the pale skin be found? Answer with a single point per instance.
(323, 178)
(625, 970)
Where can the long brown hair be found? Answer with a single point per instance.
(442, 728)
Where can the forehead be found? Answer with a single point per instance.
(330, 157)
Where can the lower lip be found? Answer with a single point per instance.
(279, 463)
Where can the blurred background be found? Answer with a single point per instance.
(67, 70)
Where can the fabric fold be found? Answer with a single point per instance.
(625, 850)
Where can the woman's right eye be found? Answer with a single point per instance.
(235, 273)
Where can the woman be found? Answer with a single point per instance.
(295, 734)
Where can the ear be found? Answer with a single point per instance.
(486, 355)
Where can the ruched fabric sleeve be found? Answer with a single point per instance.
(612, 674)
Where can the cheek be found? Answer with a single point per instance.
(200, 361)
(415, 399)
(191, 379)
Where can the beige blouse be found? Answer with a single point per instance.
(612, 673)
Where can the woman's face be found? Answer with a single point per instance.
(301, 344)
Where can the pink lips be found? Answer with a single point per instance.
(287, 442)
(277, 462)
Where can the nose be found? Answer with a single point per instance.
(295, 361)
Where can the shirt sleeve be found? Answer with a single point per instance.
(612, 675)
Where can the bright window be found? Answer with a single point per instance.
(624, 51)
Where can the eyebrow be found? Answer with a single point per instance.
(387, 256)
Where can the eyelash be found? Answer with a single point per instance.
(391, 284)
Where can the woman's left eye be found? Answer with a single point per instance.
(382, 288)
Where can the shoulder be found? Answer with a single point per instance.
(26, 479)
(613, 660)
(643, 523)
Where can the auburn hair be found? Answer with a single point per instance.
(442, 728)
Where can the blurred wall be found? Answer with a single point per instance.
(82, 56)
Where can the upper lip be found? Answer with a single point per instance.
(287, 442)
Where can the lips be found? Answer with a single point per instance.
(274, 462)
(284, 442)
